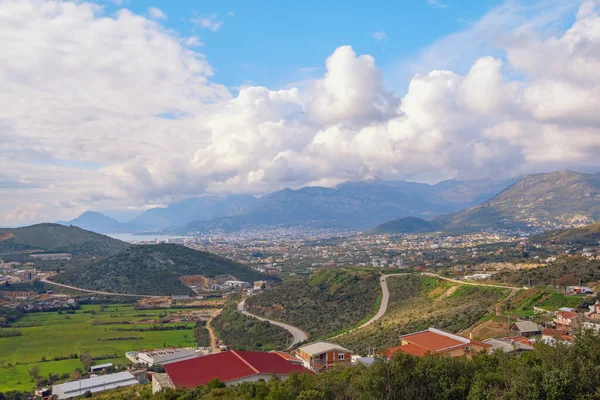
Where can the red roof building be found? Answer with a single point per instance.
(231, 367)
(435, 341)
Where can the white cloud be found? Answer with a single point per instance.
(157, 13)
(209, 22)
(123, 113)
(437, 3)
(379, 36)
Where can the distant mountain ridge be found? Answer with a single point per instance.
(539, 201)
(59, 239)
(352, 205)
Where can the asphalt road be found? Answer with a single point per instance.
(44, 280)
(298, 334)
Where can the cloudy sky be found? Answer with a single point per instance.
(128, 104)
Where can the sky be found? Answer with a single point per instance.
(123, 105)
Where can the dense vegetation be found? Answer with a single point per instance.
(327, 302)
(584, 236)
(556, 373)
(153, 270)
(59, 239)
(417, 303)
(241, 332)
(201, 334)
(565, 271)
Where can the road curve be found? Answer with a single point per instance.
(471, 283)
(385, 298)
(44, 280)
(298, 334)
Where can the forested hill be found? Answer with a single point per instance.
(153, 270)
(586, 236)
(59, 239)
(328, 302)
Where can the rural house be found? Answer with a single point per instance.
(436, 341)
(525, 328)
(322, 356)
(566, 320)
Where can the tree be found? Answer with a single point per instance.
(86, 360)
(34, 372)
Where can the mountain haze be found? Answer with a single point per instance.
(540, 201)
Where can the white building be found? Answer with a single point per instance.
(240, 284)
(94, 385)
(162, 356)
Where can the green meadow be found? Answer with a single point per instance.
(52, 334)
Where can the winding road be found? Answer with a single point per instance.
(298, 334)
(44, 280)
(471, 283)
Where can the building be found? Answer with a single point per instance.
(101, 367)
(260, 285)
(161, 356)
(552, 336)
(526, 328)
(236, 284)
(508, 345)
(436, 341)
(566, 320)
(94, 385)
(579, 290)
(51, 257)
(231, 367)
(322, 356)
(17, 295)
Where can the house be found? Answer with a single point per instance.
(525, 328)
(322, 356)
(231, 367)
(236, 284)
(551, 336)
(594, 312)
(436, 341)
(579, 290)
(566, 320)
(508, 345)
(287, 357)
(94, 385)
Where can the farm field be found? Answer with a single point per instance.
(93, 330)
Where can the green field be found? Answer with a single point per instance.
(52, 335)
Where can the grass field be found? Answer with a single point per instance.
(52, 335)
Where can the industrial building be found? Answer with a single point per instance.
(161, 356)
(93, 385)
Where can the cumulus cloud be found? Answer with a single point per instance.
(209, 22)
(157, 13)
(116, 111)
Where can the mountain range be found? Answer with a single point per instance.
(351, 205)
(541, 201)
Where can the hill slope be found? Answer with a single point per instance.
(546, 201)
(586, 236)
(153, 270)
(59, 239)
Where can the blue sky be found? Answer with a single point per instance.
(268, 43)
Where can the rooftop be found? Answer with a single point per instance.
(228, 366)
(317, 348)
(527, 326)
(98, 383)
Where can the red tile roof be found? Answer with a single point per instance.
(431, 340)
(410, 348)
(286, 356)
(228, 366)
(567, 314)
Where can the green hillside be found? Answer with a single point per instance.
(153, 270)
(585, 236)
(417, 303)
(59, 239)
(405, 225)
(327, 302)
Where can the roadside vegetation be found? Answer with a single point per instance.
(242, 332)
(416, 303)
(327, 302)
